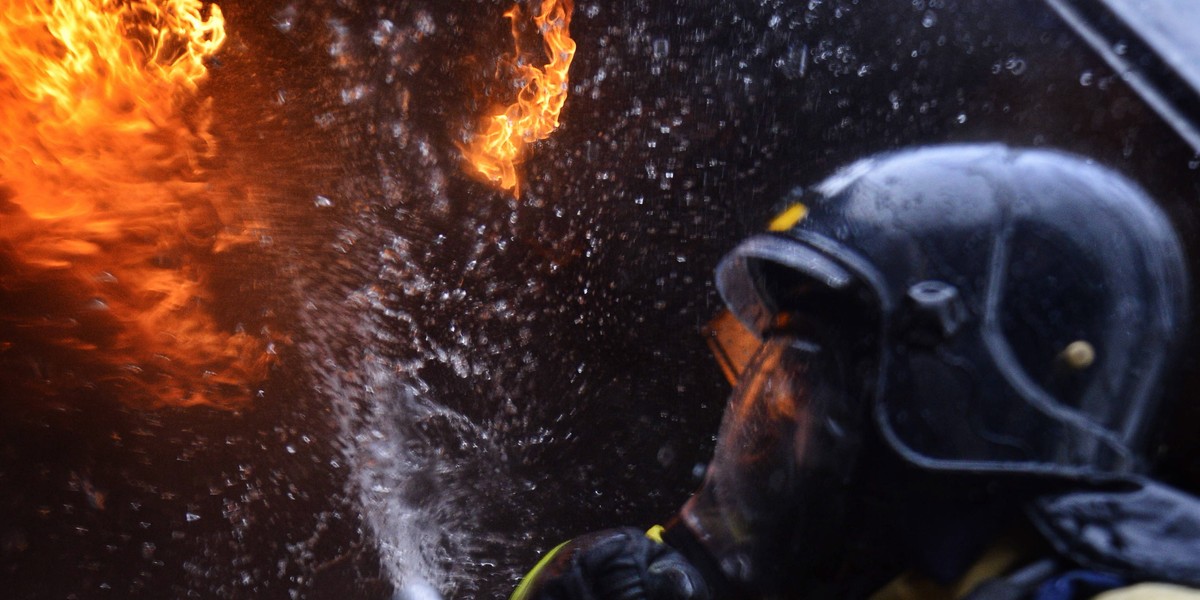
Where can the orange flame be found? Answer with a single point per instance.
(503, 137)
(104, 213)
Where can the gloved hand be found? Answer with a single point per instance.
(617, 564)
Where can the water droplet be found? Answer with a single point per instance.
(666, 456)
(661, 48)
(191, 517)
(929, 20)
(383, 32)
(425, 23)
(1086, 78)
(353, 94)
(285, 19)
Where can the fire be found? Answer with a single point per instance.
(106, 218)
(504, 136)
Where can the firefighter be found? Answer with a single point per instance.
(961, 367)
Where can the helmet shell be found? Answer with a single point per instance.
(1029, 302)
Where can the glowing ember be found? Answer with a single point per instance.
(501, 142)
(105, 217)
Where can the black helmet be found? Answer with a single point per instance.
(1028, 302)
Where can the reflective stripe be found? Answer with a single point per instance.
(1151, 591)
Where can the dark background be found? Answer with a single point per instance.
(536, 364)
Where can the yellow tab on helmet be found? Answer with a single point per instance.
(788, 218)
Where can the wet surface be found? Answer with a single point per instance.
(468, 378)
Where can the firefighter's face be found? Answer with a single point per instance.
(784, 457)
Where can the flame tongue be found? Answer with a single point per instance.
(501, 142)
(102, 204)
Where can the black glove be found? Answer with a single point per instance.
(617, 564)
